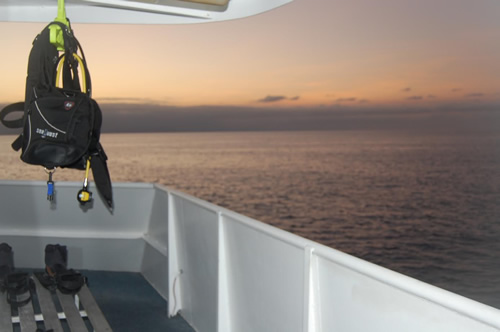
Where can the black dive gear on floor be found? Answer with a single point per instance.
(17, 285)
(57, 275)
(61, 122)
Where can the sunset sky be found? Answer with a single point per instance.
(309, 54)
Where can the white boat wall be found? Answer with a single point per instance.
(226, 272)
(135, 11)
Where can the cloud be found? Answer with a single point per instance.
(124, 117)
(131, 100)
(408, 89)
(364, 101)
(474, 95)
(158, 118)
(456, 90)
(271, 99)
(415, 98)
(350, 99)
(431, 96)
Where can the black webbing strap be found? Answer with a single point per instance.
(18, 287)
(18, 143)
(16, 123)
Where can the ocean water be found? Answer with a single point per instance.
(426, 205)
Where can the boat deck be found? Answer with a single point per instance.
(127, 300)
(218, 269)
(130, 303)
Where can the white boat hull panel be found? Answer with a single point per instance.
(226, 272)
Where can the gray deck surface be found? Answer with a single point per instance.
(130, 303)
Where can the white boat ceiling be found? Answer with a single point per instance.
(136, 11)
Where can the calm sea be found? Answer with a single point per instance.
(424, 205)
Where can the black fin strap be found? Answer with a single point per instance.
(70, 282)
(18, 287)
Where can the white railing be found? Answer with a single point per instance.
(226, 272)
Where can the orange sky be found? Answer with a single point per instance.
(307, 53)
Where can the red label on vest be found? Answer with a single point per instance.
(68, 105)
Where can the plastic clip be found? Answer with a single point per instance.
(56, 34)
(50, 184)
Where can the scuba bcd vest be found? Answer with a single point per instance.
(61, 122)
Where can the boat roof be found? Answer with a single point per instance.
(136, 11)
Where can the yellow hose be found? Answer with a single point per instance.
(80, 61)
(87, 168)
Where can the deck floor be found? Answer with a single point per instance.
(128, 302)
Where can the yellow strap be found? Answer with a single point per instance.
(80, 61)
